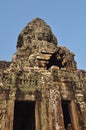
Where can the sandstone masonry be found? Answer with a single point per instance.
(41, 88)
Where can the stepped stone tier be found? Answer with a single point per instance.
(41, 88)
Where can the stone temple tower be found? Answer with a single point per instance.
(41, 88)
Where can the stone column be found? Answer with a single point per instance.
(10, 110)
(37, 115)
(2, 114)
(74, 116)
(49, 110)
(9, 115)
(44, 122)
(57, 115)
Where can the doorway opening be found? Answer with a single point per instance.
(66, 115)
(24, 115)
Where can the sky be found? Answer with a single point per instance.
(67, 19)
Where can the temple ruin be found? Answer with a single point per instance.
(41, 88)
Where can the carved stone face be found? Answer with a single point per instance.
(37, 46)
(43, 33)
(36, 30)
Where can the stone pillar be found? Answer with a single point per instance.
(9, 115)
(2, 114)
(74, 116)
(37, 115)
(57, 115)
(49, 107)
(10, 110)
(43, 114)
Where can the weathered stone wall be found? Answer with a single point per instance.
(44, 72)
(4, 65)
(47, 85)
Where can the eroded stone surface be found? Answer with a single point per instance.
(38, 47)
(43, 71)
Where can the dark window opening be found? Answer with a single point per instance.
(66, 115)
(24, 115)
(54, 61)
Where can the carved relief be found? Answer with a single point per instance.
(43, 72)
